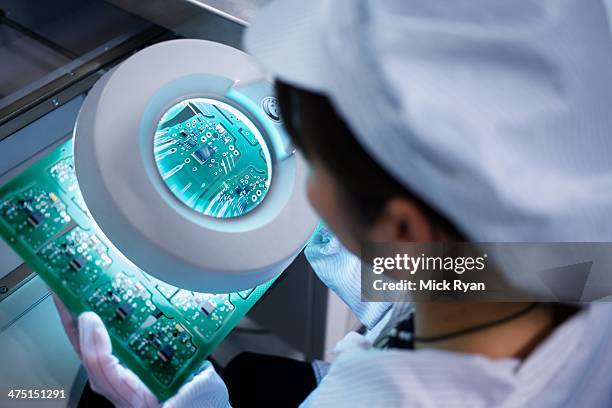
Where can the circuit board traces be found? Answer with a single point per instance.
(159, 331)
(212, 158)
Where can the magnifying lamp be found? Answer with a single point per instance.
(184, 165)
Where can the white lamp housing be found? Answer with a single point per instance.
(129, 200)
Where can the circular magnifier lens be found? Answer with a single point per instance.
(212, 157)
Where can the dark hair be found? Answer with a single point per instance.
(318, 131)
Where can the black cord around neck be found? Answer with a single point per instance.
(476, 328)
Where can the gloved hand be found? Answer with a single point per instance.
(340, 271)
(119, 384)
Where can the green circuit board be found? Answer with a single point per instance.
(160, 332)
(212, 157)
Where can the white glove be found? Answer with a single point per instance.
(340, 271)
(120, 385)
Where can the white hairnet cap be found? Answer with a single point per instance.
(497, 113)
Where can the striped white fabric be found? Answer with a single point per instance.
(341, 272)
(572, 368)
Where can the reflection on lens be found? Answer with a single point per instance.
(212, 158)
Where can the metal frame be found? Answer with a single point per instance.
(4, 19)
(14, 280)
(57, 92)
(216, 20)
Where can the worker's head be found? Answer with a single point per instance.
(478, 116)
(354, 195)
(486, 114)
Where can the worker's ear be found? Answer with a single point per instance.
(402, 219)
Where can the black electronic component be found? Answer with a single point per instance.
(165, 353)
(124, 310)
(207, 307)
(35, 218)
(78, 262)
(203, 154)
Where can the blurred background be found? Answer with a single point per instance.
(51, 54)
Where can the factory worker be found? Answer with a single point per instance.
(433, 121)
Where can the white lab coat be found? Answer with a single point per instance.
(572, 367)
(499, 113)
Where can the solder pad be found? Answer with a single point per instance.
(160, 332)
(212, 157)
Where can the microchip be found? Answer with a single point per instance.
(157, 313)
(183, 133)
(166, 353)
(78, 262)
(124, 310)
(203, 154)
(207, 307)
(36, 218)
